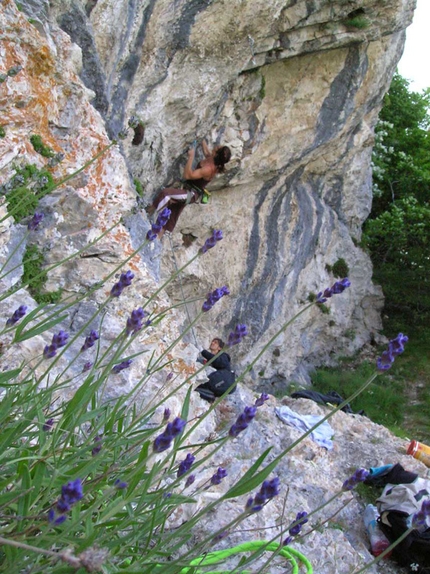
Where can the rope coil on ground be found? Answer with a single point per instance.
(292, 555)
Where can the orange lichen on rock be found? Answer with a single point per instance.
(184, 368)
(40, 63)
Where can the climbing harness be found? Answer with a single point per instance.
(191, 189)
(293, 556)
(205, 197)
(182, 290)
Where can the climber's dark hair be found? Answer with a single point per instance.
(220, 342)
(221, 157)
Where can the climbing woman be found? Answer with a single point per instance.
(194, 185)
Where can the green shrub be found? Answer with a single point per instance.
(2, 132)
(340, 269)
(359, 22)
(21, 202)
(35, 277)
(40, 147)
(22, 199)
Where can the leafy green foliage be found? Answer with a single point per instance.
(40, 147)
(340, 268)
(359, 22)
(2, 132)
(27, 187)
(35, 277)
(399, 241)
(401, 159)
(398, 231)
(21, 202)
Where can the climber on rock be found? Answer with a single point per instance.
(194, 185)
(223, 378)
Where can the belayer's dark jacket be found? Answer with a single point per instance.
(223, 377)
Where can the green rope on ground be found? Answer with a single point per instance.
(220, 555)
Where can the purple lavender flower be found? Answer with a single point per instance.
(185, 465)
(242, 421)
(218, 476)
(47, 425)
(134, 322)
(301, 518)
(98, 445)
(178, 426)
(166, 414)
(51, 517)
(359, 475)
(34, 222)
(63, 505)
(71, 493)
(116, 290)
(58, 340)
(120, 485)
(125, 280)
(212, 240)
(164, 216)
(17, 315)
(49, 351)
(87, 366)
(121, 366)
(261, 400)
(162, 219)
(395, 347)
(384, 362)
(237, 335)
(269, 489)
(214, 297)
(190, 480)
(90, 341)
(172, 430)
(338, 287)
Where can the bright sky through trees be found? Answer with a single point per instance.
(414, 65)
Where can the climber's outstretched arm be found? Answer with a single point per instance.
(207, 152)
(205, 172)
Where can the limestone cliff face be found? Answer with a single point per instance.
(294, 88)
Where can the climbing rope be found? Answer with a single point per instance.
(182, 290)
(293, 556)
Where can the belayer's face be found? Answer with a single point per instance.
(214, 347)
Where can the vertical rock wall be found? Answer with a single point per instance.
(294, 88)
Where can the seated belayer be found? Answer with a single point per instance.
(194, 186)
(223, 378)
